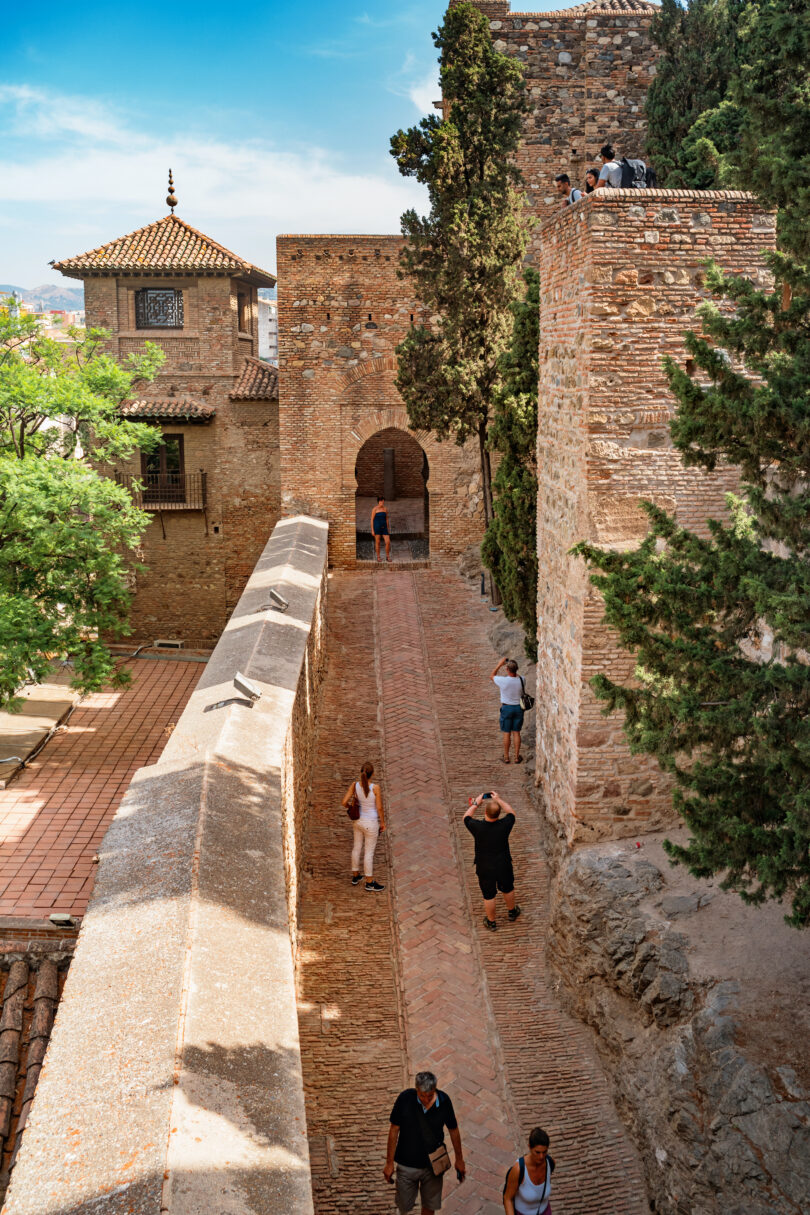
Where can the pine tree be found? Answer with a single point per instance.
(509, 549)
(65, 530)
(698, 43)
(464, 258)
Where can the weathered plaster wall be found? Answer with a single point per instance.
(172, 1083)
(342, 312)
(621, 275)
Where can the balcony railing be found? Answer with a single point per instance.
(166, 491)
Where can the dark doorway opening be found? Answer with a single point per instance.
(393, 465)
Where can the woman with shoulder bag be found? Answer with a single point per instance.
(363, 801)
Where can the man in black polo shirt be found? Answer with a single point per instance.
(493, 860)
(417, 1127)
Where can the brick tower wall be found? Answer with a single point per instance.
(621, 275)
(342, 312)
(587, 75)
(193, 577)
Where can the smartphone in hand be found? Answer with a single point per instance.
(459, 1175)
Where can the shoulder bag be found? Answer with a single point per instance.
(353, 806)
(439, 1158)
(526, 701)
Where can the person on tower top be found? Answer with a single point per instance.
(610, 175)
(570, 195)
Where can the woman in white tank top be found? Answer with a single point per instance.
(531, 1193)
(367, 827)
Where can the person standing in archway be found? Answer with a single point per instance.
(379, 527)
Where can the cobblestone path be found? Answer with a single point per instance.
(56, 812)
(478, 1006)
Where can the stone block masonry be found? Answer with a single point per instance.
(588, 69)
(173, 1083)
(342, 312)
(621, 274)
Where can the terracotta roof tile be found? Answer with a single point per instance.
(167, 407)
(596, 6)
(169, 245)
(258, 382)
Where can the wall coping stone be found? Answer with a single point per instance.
(173, 1082)
(608, 197)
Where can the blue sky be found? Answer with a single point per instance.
(274, 117)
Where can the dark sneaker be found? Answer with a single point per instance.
(357, 879)
(515, 912)
(374, 886)
(490, 924)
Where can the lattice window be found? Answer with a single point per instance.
(158, 308)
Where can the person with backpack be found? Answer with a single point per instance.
(527, 1189)
(363, 804)
(569, 193)
(610, 175)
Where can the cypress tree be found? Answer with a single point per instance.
(465, 256)
(698, 43)
(510, 544)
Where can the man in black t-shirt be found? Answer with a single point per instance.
(493, 860)
(418, 1120)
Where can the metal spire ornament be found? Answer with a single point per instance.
(171, 197)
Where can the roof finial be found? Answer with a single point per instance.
(171, 197)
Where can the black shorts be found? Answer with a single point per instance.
(502, 879)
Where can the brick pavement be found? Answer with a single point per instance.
(55, 813)
(478, 1007)
(349, 1014)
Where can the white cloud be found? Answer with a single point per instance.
(424, 92)
(82, 162)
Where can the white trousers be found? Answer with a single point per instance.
(365, 841)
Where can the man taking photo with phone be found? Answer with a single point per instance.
(493, 860)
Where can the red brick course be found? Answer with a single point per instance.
(54, 815)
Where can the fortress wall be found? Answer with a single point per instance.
(173, 1079)
(342, 312)
(621, 275)
(587, 75)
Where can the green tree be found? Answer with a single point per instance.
(464, 258)
(65, 530)
(698, 44)
(510, 543)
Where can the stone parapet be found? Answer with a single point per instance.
(621, 275)
(172, 1083)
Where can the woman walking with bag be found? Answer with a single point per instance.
(363, 802)
(527, 1190)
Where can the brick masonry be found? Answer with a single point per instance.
(588, 69)
(621, 275)
(342, 312)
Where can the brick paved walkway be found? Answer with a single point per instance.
(55, 813)
(478, 1007)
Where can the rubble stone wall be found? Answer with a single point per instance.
(621, 274)
(342, 313)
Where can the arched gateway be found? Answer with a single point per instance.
(392, 463)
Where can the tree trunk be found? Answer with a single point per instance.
(486, 486)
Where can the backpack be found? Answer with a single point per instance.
(634, 174)
(651, 178)
(522, 1171)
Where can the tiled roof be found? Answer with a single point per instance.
(597, 6)
(167, 407)
(258, 382)
(169, 245)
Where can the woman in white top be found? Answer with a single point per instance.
(528, 1182)
(367, 827)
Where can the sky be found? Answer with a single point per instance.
(275, 118)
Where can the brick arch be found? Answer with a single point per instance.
(369, 367)
(390, 417)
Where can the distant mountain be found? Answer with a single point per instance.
(268, 293)
(49, 295)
